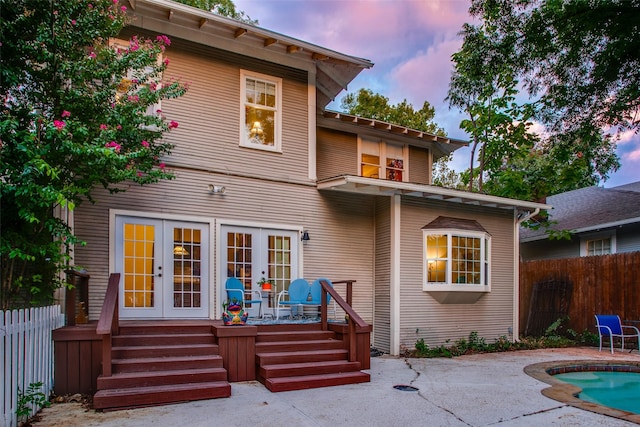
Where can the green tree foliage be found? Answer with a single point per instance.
(577, 62)
(221, 7)
(75, 115)
(371, 105)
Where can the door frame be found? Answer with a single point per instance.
(221, 269)
(113, 213)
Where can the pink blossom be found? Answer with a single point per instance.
(92, 55)
(73, 22)
(153, 86)
(166, 61)
(115, 1)
(123, 8)
(103, 127)
(145, 143)
(133, 98)
(158, 111)
(163, 39)
(59, 124)
(114, 145)
(90, 6)
(162, 166)
(139, 173)
(118, 127)
(173, 124)
(65, 113)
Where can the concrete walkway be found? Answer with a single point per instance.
(478, 390)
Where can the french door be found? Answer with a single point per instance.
(251, 254)
(164, 267)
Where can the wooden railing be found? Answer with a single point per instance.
(108, 323)
(355, 322)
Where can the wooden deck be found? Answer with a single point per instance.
(167, 361)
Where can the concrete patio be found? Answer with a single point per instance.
(477, 390)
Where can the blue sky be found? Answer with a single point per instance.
(410, 42)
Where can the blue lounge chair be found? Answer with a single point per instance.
(609, 325)
(235, 289)
(295, 296)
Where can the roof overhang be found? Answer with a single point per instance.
(333, 70)
(439, 145)
(380, 187)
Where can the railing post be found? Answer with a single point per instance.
(108, 324)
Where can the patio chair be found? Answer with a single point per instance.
(235, 289)
(609, 325)
(297, 294)
(316, 295)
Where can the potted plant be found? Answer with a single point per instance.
(265, 284)
(233, 313)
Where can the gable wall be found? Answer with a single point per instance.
(208, 135)
(419, 167)
(337, 153)
(424, 317)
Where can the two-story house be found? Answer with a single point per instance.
(269, 184)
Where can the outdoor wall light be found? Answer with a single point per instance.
(213, 189)
(305, 236)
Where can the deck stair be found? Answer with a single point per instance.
(296, 357)
(157, 363)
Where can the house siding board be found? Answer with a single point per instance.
(491, 315)
(382, 289)
(210, 139)
(337, 153)
(419, 170)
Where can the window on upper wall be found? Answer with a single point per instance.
(261, 98)
(598, 244)
(130, 85)
(455, 257)
(383, 160)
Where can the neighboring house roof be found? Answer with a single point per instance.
(333, 70)
(440, 145)
(590, 209)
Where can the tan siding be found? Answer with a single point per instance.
(419, 168)
(492, 315)
(208, 135)
(382, 295)
(340, 225)
(337, 153)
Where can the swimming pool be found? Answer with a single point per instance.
(620, 390)
(580, 377)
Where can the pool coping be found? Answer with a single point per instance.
(566, 393)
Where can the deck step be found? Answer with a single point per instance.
(157, 395)
(300, 356)
(175, 350)
(156, 378)
(162, 339)
(309, 344)
(313, 381)
(150, 364)
(310, 368)
(264, 337)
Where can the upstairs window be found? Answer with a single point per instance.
(261, 109)
(382, 160)
(455, 256)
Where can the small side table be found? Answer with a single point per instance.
(267, 306)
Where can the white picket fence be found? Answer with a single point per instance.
(26, 348)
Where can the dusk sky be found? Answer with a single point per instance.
(410, 43)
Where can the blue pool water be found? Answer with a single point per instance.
(619, 390)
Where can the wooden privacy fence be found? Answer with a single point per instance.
(26, 349)
(605, 284)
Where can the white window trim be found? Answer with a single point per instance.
(597, 236)
(382, 167)
(485, 282)
(244, 142)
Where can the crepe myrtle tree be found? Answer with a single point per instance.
(77, 113)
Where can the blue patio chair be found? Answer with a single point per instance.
(609, 325)
(297, 294)
(235, 289)
(316, 295)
